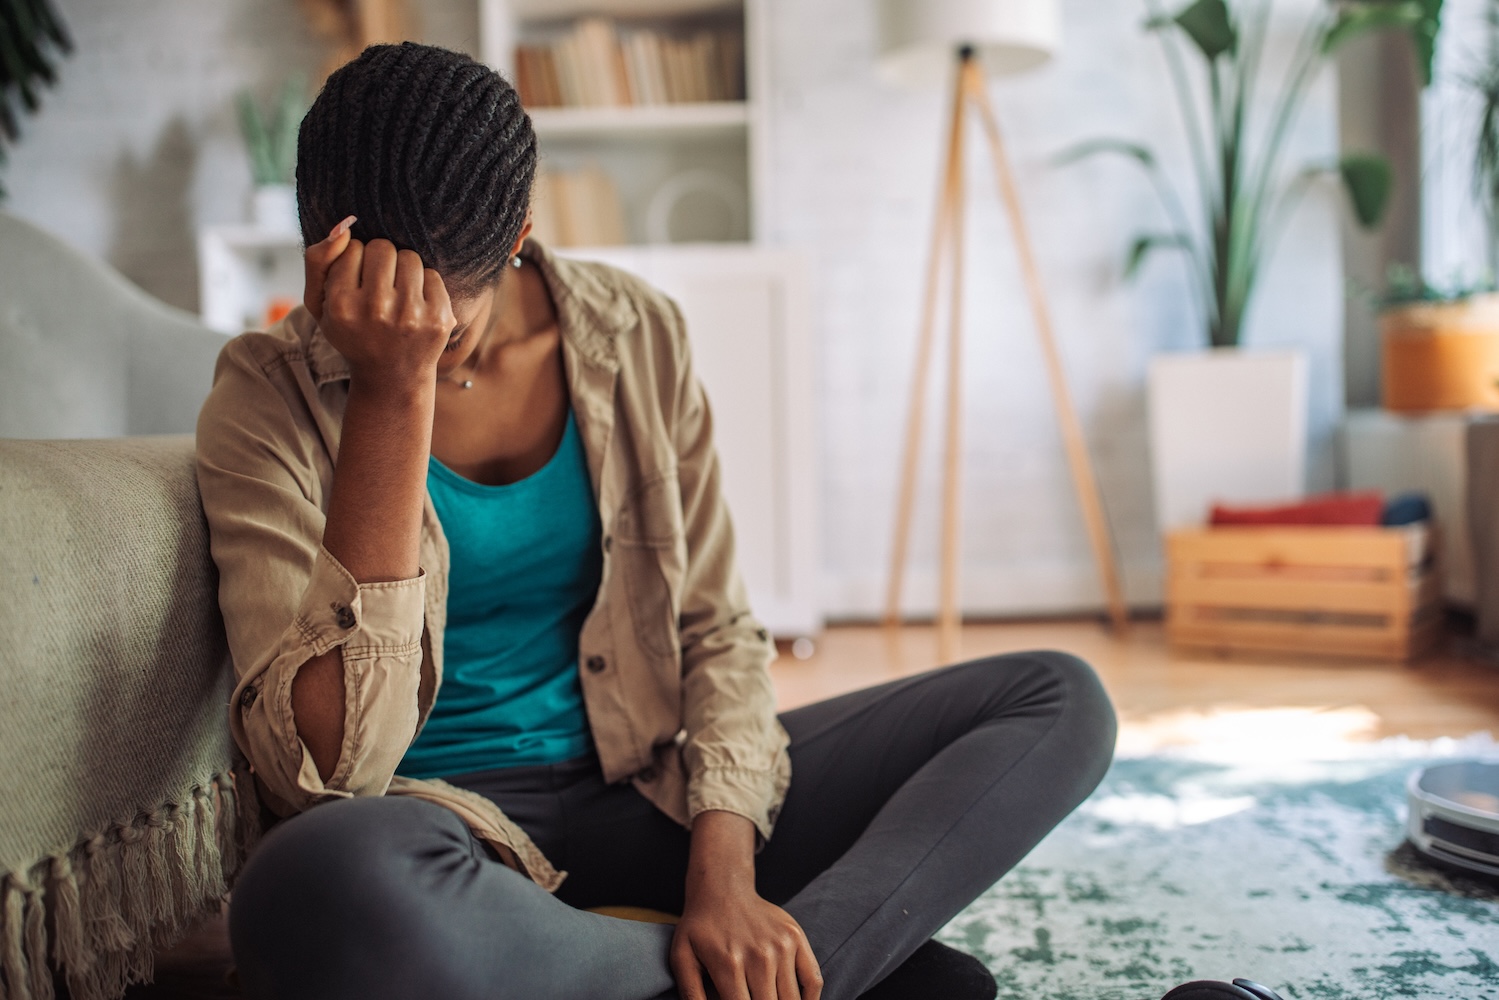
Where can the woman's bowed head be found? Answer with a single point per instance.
(414, 175)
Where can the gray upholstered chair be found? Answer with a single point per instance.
(120, 822)
(86, 354)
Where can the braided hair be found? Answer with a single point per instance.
(430, 149)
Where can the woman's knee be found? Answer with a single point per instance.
(322, 887)
(1065, 686)
(1086, 709)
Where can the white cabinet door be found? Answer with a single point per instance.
(747, 318)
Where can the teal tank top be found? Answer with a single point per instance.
(525, 567)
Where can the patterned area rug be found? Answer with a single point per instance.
(1287, 872)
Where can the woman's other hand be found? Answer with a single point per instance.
(387, 314)
(749, 949)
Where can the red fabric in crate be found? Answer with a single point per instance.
(1360, 508)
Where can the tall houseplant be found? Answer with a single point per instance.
(1227, 425)
(1240, 186)
(32, 36)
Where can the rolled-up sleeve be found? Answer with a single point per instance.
(263, 472)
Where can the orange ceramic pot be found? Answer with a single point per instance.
(1441, 356)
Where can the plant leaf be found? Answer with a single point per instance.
(257, 142)
(1208, 24)
(1369, 179)
(1095, 147)
(1424, 38)
(1143, 245)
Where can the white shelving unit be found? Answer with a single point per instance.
(644, 148)
(654, 122)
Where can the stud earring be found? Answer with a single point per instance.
(515, 261)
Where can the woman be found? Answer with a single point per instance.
(464, 471)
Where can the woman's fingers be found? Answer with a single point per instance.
(808, 972)
(341, 283)
(786, 983)
(435, 292)
(728, 979)
(688, 974)
(765, 980)
(409, 275)
(316, 262)
(377, 278)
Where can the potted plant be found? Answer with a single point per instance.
(1440, 345)
(272, 145)
(34, 36)
(1228, 423)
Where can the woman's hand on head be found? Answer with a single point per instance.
(750, 949)
(389, 316)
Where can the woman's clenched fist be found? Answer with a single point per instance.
(389, 316)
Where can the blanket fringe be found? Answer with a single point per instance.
(117, 896)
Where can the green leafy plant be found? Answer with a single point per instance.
(1405, 286)
(32, 36)
(1244, 198)
(272, 142)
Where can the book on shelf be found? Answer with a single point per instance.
(595, 63)
(577, 208)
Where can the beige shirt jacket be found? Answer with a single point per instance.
(673, 666)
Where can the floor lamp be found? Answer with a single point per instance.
(923, 40)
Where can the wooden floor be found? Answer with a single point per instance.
(1167, 697)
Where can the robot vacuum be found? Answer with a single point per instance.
(1454, 814)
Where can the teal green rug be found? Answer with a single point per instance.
(1290, 873)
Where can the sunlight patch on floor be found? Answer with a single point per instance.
(1234, 733)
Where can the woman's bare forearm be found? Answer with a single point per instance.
(379, 484)
(373, 529)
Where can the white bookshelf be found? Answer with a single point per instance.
(645, 149)
(658, 121)
(552, 9)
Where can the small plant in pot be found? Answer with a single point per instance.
(271, 142)
(1227, 424)
(1440, 343)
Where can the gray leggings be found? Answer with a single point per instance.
(907, 801)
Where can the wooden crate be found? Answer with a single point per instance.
(1371, 593)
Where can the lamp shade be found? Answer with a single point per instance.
(918, 38)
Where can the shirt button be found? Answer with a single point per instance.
(596, 664)
(647, 774)
(247, 698)
(344, 616)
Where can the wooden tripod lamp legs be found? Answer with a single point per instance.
(946, 210)
(1084, 483)
(948, 233)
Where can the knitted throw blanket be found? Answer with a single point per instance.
(120, 821)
